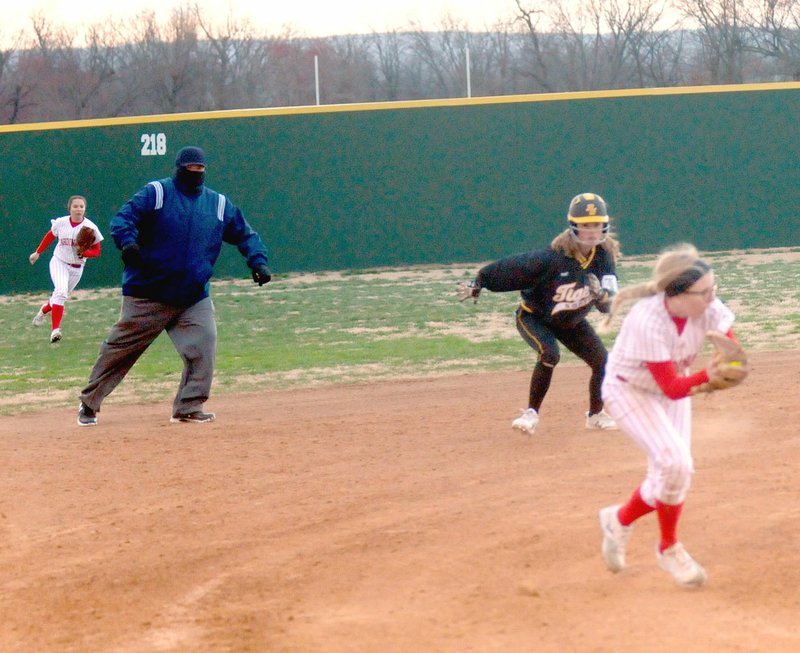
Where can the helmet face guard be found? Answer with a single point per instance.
(587, 208)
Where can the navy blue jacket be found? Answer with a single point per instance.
(180, 236)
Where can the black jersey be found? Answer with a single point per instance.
(553, 285)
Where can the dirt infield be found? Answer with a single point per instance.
(393, 517)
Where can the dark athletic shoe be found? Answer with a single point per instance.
(86, 416)
(197, 417)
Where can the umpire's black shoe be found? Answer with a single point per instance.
(86, 416)
(196, 417)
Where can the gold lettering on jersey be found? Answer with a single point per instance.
(569, 298)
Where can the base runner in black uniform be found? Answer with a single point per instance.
(559, 286)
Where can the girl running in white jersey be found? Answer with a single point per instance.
(647, 391)
(66, 267)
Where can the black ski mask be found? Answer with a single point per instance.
(191, 180)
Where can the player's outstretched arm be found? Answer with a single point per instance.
(468, 290)
(46, 240)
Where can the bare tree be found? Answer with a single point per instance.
(661, 59)
(289, 78)
(389, 49)
(188, 63)
(502, 74)
(17, 83)
(49, 39)
(538, 58)
(593, 44)
(236, 59)
(34, 93)
(7, 56)
(166, 73)
(443, 54)
(86, 72)
(775, 33)
(16, 101)
(347, 69)
(631, 38)
(491, 67)
(722, 36)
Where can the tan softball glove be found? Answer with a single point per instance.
(728, 367)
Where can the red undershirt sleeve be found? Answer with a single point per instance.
(48, 238)
(93, 251)
(672, 385)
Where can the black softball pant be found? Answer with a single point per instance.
(581, 340)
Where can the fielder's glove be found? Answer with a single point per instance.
(84, 240)
(262, 274)
(728, 367)
(468, 290)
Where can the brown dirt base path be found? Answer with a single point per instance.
(401, 516)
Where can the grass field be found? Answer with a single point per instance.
(352, 326)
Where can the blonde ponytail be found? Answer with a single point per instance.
(671, 264)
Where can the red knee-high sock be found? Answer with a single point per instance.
(58, 313)
(668, 517)
(47, 308)
(635, 508)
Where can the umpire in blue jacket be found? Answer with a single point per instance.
(170, 234)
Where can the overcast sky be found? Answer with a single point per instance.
(306, 17)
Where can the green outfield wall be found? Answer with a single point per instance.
(391, 184)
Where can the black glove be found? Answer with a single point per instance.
(132, 256)
(261, 274)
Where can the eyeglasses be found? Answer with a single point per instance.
(705, 294)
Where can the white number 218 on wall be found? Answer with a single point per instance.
(154, 144)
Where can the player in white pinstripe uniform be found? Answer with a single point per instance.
(647, 391)
(66, 267)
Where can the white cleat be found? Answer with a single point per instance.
(527, 421)
(615, 538)
(55, 336)
(602, 421)
(686, 571)
(39, 319)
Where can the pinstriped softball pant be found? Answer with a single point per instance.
(65, 277)
(662, 428)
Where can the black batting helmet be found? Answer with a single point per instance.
(586, 208)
